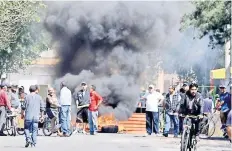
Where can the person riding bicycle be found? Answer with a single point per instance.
(82, 98)
(192, 104)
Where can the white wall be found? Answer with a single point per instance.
(42, 74)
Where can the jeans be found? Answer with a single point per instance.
(181, 119)
(92, 118)
(31, 126)
(175, 120)
(152, 118)
(65, 119)
(2, 118)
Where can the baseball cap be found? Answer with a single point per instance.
(151, 86)
(83, 83)
(222, 86)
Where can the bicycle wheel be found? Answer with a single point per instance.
(185, 139)
(13, 130)
(78, 127)
(47, 127)
(8, 126)
(207, 129)
(20, 131)
(13, 127)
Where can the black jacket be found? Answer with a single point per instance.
(82, 99)
(197, 105)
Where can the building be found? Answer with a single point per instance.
(42, 72)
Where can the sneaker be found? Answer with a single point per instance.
(84, 132)
(158, 135)
(27, 144)
(76, 131)
(165, 135)
(32, 145)
(2, 134)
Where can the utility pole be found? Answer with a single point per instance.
(227, 65)
(230, 67)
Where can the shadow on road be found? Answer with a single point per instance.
(215, 138)
(13, 146)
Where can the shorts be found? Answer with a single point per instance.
(52, 113)
(82, 114)
(229, 119)
(223, 116)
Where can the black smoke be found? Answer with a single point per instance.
(106, 44)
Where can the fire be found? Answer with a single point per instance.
(107, 120)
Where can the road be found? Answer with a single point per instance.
(112, 142)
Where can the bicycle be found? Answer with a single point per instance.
(208, 126)
(188, 138)
(10, 125)
(47, 129)
(79, 126)
(20, 127)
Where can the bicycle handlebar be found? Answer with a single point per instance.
(190, 116)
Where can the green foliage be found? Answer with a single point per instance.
(21, 36)
(211, 18)
(187, 76)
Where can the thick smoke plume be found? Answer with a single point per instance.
(106, 44)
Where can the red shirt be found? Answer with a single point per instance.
(95, 100)
(4, 99)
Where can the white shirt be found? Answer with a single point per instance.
(152, 101)
(65, 96)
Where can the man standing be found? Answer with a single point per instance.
(225, 105)
(183, 91)
(82, 99)
(95, 101)
(152, 116)
(4, 102)
(172, 105)
(65, 102)
(33, 106)
(15, 102)
(207, 105)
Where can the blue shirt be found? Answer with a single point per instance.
(207, 105)
(34, 104)
(226, 97)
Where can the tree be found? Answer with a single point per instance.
(212, 18)
(21, 36)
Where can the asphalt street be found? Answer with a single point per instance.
(112, 142)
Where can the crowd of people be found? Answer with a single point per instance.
(175, 105)
(187, 101)
(33, 108)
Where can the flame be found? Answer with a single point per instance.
(107, 120)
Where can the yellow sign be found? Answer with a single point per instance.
(219, 73)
